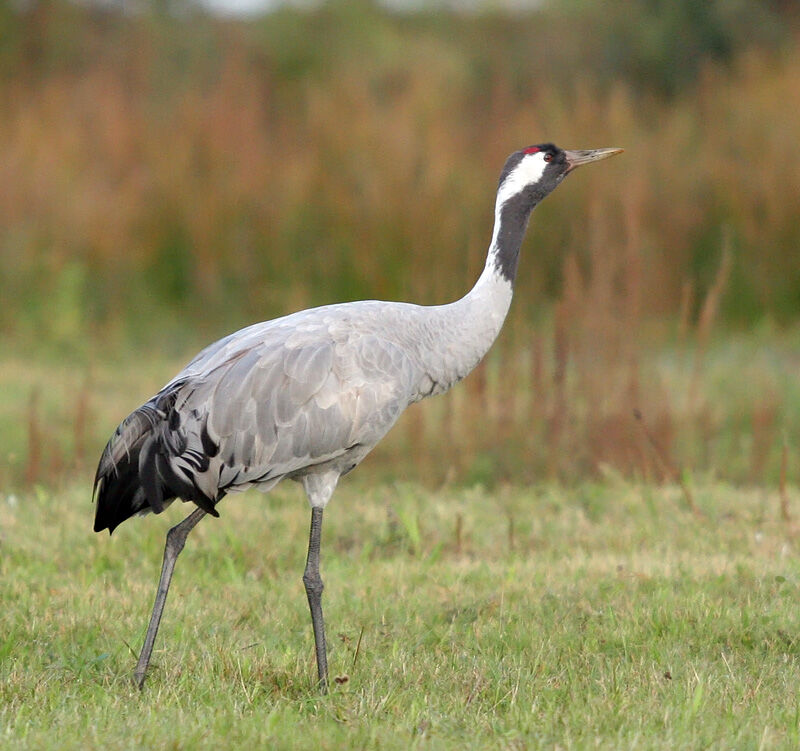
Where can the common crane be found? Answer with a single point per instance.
(307, 396)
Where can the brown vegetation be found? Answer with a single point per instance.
(136, 199)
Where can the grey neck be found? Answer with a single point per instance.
(470, 325)
(511, 221)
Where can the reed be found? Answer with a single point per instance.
(165, 189)
(228, 191)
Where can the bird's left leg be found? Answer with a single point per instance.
(176, 538)
(314, 586)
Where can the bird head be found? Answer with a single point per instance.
(535, 172)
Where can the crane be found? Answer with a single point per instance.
(307, 396)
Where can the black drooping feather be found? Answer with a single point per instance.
(134, 473)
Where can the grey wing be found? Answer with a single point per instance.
(282, 408)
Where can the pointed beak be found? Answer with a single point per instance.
(584, 156)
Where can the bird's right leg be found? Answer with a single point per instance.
(314, 586)
(176, 538)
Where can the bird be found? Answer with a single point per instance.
(306, 397)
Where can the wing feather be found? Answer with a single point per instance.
(284, 399)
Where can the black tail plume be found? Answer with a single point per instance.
(137, 471)
(127, 480)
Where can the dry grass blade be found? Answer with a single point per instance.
(358, 647)
(33, 467)
(667, 467)
(784, 496)
(708, 315)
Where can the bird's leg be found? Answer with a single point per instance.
(176, 538)
(314, 587)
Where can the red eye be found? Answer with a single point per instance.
(548, 157)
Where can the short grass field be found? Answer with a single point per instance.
(600, 616)
(592, 543)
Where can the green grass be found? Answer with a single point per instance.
(605, 616)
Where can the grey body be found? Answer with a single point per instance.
(306, 397)
(312, 393)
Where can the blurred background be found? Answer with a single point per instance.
(171, 171)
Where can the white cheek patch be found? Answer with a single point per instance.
(528, 171)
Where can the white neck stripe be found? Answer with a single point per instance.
(527, 172)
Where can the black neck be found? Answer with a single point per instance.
(513, 221)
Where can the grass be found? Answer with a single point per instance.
(170, 187)
(600, 617)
